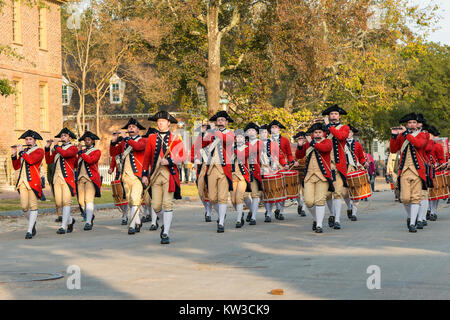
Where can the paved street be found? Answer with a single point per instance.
(239, 264)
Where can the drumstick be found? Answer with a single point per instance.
(443, 165)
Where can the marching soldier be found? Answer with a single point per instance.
(131, 150)
(88, 178)
(270, 159)
(411, 143)
(423, 126)
(300, 136)
(28, 183)
(149, 214)
(338, 134)
(218, 154)
(116, 162)
(285, 152)
(355, 159)
(162, 154)
(241, 176)
(65, 159)
(196, 158)
(318, 178)
(254, 165)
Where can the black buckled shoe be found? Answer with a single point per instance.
(138, 228)
(277, 214)
(28, 236)
(301, 212)
(207, 218)
(353, 218)
(252, 222)
(435, 217)
(59, 219)
(337, 226)
(280, 216)
(267, 219)
(412, 229)
(424, 223)
(319, 230)
(87, 227)
(314, 226)
(131, 231)
(428, 214)
(249, 216)
(349, 214)
(61, 231)
(238, 224)
(419, 225)
(331, 221)
(33, 232)
(165, 239)
(154, 227)
(162, 230)
(70, 226)
(124, 222)
(144, 219)
(220, 229)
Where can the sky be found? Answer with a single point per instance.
(443, 34)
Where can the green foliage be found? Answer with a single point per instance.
(5, 87)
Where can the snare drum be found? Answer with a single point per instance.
(291, 183)
(273, 188)
(358, 185)
(301, 169)
(118, 193)
(440, 190)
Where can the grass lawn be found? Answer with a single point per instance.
(187, 190)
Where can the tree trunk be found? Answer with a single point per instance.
(97, 122)
(80, 111)
(213, 77)
(289, 100)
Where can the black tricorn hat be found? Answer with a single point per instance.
(334, 107)
(300, 134)
(276, 123)
(89, 134)
(66, 131)
(163, 115)
(316, 126)
(135, 122)
(421, 119)
(251, 125)
(222, 114)
(239, 132)
(149, 132)
(426, 127)
(408, 117)
(353, 129)
(32, 134)
(264, 127)
(199, 128)
(434, 131)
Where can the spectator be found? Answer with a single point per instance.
(371, 170)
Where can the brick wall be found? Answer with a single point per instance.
(37, 66)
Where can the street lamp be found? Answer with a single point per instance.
(224, 102)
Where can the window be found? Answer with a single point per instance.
(115, 93)
(42, 28)
(43, 106)
(16, 23)
(65, 95)
(375, 146)
(17, 102)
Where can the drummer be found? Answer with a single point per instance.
(270, 160)
(318, 179)
(355, 159)
(300, 136)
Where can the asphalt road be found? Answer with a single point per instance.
(239, 264)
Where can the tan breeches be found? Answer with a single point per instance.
(63, 197)
(133, 189)
(28, 200)
(201, 183)
(86, 191)
(315, 192)
(346, 193)
(217, 186)
(161, 197)
(147, 199)
(339, 190)
(410, 188)
(238, 193)
(255, 192)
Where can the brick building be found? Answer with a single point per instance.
(35, 33)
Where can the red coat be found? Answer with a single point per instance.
(32, 163)
(322, 150)
(339, 140)
(417, 147)
(357, 152)
(136, 155)
(241, 164)
(154, 150)
(68, 162)
(226, 144)
(199, 143)
(255, 164)
(272, 150)
(435, 153)
(90, 163)
(286, 151)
